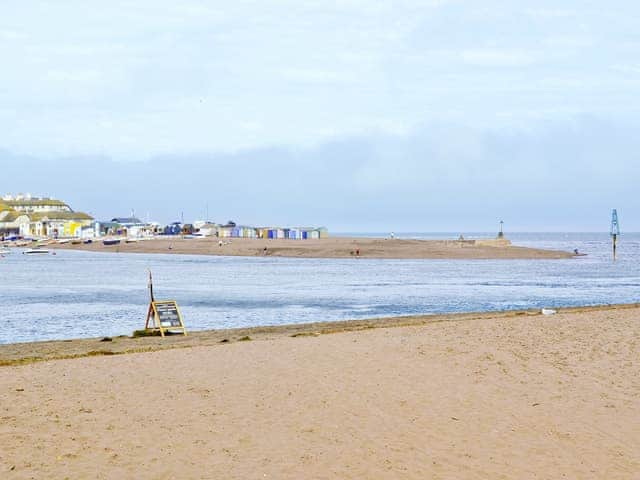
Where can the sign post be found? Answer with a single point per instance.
(163, 315)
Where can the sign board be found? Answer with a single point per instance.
(164, 315)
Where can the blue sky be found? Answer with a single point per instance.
(360, 115)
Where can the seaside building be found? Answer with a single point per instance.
(131, 227)
(206, 229)
(25, 215)
(13, 222)
(59, 223)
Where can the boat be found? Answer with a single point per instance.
(113, 241)
(131, 240)
(87, 241)
(4, 251)
(32, 251)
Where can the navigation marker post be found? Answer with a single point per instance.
(163, 315)
(615, 230)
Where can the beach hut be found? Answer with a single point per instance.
(224, 231)
(308, 233)
(208, 229)
(173, 229)
(245, 231)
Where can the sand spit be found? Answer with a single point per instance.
(496, 395)
(333, 247)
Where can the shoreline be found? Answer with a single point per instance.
(332, 247)
(12, 354)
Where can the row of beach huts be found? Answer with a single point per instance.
(231, 230)
(133, 228)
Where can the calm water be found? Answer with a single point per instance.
(81, 294)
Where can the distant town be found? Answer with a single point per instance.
(24, 216)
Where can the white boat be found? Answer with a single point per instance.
(4, 251)
(35, 250)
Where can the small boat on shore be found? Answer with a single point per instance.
(112, 241)
(32, 251)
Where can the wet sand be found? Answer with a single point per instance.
(333, 247)
(495, 395)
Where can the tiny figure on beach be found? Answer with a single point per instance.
(393, 235)
(358, 252)
(171, 246)
(220, 243)
(264, 251)
(575, 250)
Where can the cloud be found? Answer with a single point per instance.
(498, 58)
(12, 35)
(197, 76)
(441, 176)
(311, 75)
(74, 76)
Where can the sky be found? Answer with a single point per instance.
(357, 115)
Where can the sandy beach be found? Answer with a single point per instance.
(333, 247)
(495, 395)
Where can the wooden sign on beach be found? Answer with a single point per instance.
(163, 315)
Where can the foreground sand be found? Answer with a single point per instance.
(333, 247)
(467, 396)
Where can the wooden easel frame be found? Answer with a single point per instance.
(152, 316)
(152, 313)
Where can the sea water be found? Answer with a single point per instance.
(85, 294)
